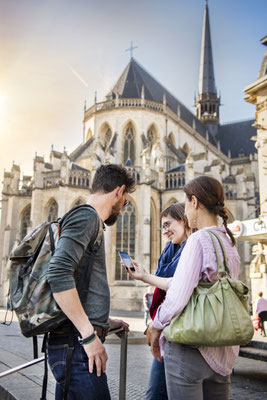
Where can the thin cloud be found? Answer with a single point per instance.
(77, 75)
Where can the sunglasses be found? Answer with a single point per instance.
(125, 203)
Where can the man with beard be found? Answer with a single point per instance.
(87, 323)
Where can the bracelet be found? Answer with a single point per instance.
(88, 339)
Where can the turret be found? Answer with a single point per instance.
(207, 102)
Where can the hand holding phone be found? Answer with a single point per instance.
(126, 260)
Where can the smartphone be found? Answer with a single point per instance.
(126, 260)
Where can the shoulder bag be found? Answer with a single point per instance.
(217, 312)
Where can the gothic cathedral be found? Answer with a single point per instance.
(142, 126)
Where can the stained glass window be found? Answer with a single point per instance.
(107, 136)
(125, 238)
(53, 211)
(150, 137)
(25, 222)
(129, 150)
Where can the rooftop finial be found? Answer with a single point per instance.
(131, 49)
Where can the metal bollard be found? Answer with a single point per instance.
(123, 365)
(123, 335)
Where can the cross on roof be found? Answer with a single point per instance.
(131, 49)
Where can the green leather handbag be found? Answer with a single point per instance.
(217, 312)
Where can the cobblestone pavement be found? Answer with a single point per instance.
(139, 361)
(249, 381)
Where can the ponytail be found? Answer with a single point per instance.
(222, 213)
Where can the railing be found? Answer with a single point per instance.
(79, 178)
(123, 335)
(135, 171)
(24, 192)
(230, 195)
(51, 179)
(174, 180)
(132, 103)
(129, 103)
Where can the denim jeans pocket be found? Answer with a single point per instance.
(81, 356)
(57, 360)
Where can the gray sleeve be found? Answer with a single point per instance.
(76, 233)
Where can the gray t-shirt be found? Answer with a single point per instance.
(72, 255)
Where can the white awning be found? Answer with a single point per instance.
(252, 230)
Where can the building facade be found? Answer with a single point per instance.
(254, 230)
(141, 125)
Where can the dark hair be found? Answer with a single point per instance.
(209, 192)
(260, 294)
(110, 176)
(176, 211)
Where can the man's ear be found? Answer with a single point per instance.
(121, 190)
(195, 202)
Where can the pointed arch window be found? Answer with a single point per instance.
(107, 136)
(151, 137)
(25, 222)
(53, 211)
(129, 147)
(171, 138)
(89, 134)
(125, 238)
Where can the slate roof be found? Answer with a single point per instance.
(80, 149)
(179, 168)
(48, 166)
(233, 136)
(130, 83)
(57, 154)
(78, 167)
(230, 179)
(236, 136)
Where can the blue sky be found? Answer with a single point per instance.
(44, 44)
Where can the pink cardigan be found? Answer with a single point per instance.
(198, 262)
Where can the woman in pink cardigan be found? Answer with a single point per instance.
(195, 373)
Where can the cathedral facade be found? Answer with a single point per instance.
(141, 125)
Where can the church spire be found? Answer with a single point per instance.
(207, 102)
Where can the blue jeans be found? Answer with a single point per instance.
(83, 385)
(157, 383)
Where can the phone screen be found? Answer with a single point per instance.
(126, 259)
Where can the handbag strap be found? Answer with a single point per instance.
(222, 265)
